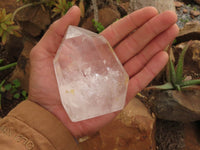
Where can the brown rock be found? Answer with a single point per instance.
(33, 20)
(185, 11)
(191, 31)
(125, 6)
(197, 1)
(106, 17)
(195, 13)
(191, 136)
(161, 5)
(31, 28)
(133, 128)
(22, 70)
(192, 57)
(10, 5)
(178, 4)
(14, 46)
(177, 106)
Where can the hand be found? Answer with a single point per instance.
(138, 40)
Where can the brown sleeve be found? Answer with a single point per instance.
(31, 127)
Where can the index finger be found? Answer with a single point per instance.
(120, 29)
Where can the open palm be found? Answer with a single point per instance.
(138, 40)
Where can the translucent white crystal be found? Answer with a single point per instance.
(91, 79)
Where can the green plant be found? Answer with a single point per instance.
(1, 90)
(195, 8)
(98, 25)
(7, 26)
(8, 66)
(175, 77)
(14, 89)
(29, 4)
(184, 20)
(175, 41)
(118, 1)
(62, 6)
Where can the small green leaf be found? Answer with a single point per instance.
(10, 31)
(1, 85)
(98, 25)
(9, 22)
(14, 90)
(7, 17)
(166, 86)
(172, 72)
(24, 93)
(8, 66)
(4, 12)
(168, 74)
(175, 41)
(1, 31)
(179, 69)
(1, 60)
(15, 27)
(178, 87)
(8, 87)
(4, 26)
(16, 83)
(190, 82)
(4, 38)
(17, 95)
(17, 34)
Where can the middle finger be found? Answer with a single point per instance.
(135, 42)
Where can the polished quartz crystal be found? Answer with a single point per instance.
(91, 80)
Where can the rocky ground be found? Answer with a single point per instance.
(137, 126)
(187, 11)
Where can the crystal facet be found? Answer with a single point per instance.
(91, 79)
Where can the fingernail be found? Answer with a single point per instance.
(70, 10)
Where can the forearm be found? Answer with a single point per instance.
(31, 127)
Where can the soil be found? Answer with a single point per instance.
(169, 135)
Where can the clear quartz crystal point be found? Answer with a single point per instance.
(91, 80)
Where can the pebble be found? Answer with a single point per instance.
(178, 4)
(197, 1)
(185, 11)
(195, 13)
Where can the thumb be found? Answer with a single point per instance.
(53, 37)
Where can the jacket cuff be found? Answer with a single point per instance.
(42, 121)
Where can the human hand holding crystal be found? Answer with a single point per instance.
(138, 40)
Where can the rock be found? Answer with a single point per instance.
(191, 31)
(106, 17)
(31, 28)
(169, 135)
(185, 11)
(178, 4)
(22, 70)
(192, 58)
(14, 46)
(125, 7)
(10, 5)
(161, 5)
(195, 13)
(33, 20)
(133, 128)
(197, 1)
(191, 136)
(176, 106)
